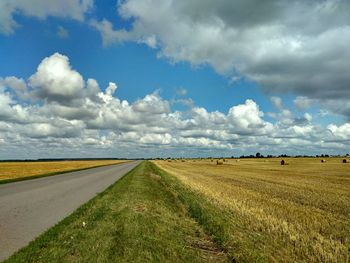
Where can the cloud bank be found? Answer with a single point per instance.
(56, 113)
(298, 47)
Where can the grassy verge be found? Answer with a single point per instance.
(24, 178)
(141, 218)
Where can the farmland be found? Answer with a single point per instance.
(21, 170)
(259, 210)
(138, 219)
(246, 210)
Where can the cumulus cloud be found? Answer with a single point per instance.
(287, 118)
(342, 131)
(73, 9)
(17, 85)
(55, 80)
(151, 104)
(247, 119)
(68, 116)
(284, 46)
(108, 95)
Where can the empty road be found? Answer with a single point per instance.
(28, 208)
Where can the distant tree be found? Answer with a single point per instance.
(258, 155)
(283, 155)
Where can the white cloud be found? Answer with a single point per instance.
(72, 9)
(112, 87)
(102, 124)
(17, 85)
(277, 102)
(55, 80)
(109, 34)
(150, 41)
(59, 129)
(156, 138)
(152, 104)
(308, 117)
(247, 119)
(342, 131)
(11, 111)
(5, 102)
(108, 95)
(302, 102)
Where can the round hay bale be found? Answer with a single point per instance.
(345, 161)
(323, 161)
(218, 162)
(283, 162)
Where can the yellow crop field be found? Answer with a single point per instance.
(12, 170)
(299, 212)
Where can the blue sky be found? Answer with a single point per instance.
(36, 39)
(227, 84)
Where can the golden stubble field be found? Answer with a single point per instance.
(12, 170)
(296, 212)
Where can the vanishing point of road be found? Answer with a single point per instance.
(28, 208)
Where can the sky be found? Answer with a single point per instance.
(166, 78)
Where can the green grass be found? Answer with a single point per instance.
(144, 217)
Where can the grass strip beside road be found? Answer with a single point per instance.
(20, 171)
(141, 218)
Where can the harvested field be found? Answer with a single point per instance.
(18, 170)
(291, 213)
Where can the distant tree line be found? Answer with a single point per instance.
(257, 155)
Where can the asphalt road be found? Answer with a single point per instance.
(28, 208)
